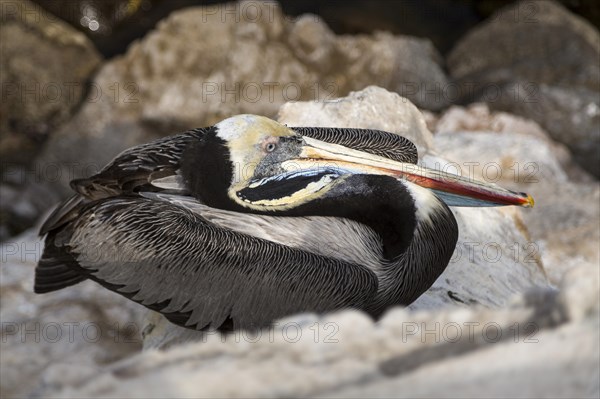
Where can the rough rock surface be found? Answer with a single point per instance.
(527, 45)
(544, 65)
(544, 344)
(78, 328)
(571, 116)
(35, 100)
(504, 148)
(518, 154)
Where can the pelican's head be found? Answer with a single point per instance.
(256, 146)
(250, 162)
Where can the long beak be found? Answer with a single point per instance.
(453, 189)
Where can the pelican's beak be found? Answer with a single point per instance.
(453, 189)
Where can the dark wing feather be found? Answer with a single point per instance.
(65, 212)
(376, 142)
(131, 171)
(203, 276)
(137, 167)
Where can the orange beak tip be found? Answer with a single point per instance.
(529, 202)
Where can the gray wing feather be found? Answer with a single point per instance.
(171, 259)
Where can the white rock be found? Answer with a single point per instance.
(517, 351)
(61, 333)
(502, 148)
(466, 133)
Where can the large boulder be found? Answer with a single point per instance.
(570, 115)
(36, 99)
(38, 95)
(544, 344)
(544, 64)
(535, 41)
(82, 327)
(502, 148)
(517, 153)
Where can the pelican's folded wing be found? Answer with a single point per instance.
(150, 167)
(139, 167)
(200, 275)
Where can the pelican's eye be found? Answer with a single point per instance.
(270, 146)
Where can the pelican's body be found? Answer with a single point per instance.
(247, 221)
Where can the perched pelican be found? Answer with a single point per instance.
(238, 224)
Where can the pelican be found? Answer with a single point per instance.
(235, 225)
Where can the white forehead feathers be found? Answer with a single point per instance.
(235, 127)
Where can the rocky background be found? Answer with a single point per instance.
(506, 94)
